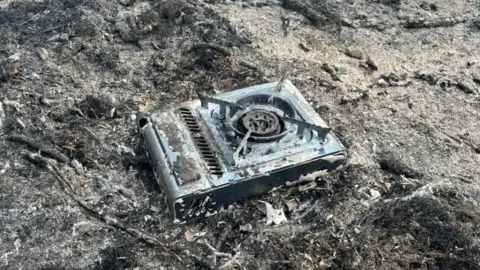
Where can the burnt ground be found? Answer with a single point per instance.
(402, 94)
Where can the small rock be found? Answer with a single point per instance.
(371, 64)
(356, 230)
(77, 166)
(396, 80)
(353, 97)
(331, 70)
(308, 257)
(246, 228)
(35, 76)
(14, 58)
(154, 209)
(58, 37)
(125, 149)
(354, 54)
(191, 235)
(324, 265)
(381, 82)
(275, 216)
(304, 47)
(375, 193)
(347, 22)
(291, 205)
(43, 53)
(140, 83)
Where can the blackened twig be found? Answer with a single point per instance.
(108, 219)
(43, 150)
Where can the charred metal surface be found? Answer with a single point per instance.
(217, 150)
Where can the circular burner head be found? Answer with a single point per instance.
(260, 116)
(262, 123)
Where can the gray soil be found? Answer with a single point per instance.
(402, 94)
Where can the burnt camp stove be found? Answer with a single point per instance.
(212, 152)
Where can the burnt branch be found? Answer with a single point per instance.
(43, 150)
(108, 219)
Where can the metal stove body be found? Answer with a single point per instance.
(209, 153)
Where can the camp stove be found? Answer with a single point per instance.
(209, 153)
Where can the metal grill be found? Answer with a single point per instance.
(201, 142)
(198, 206)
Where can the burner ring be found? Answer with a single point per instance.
(261, 122)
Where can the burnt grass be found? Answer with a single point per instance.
(108, 59)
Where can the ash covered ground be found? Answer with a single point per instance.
(398, 82)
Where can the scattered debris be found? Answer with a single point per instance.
(191, 235)
(43, 54)
(125, 149)
(275, 216)
(43, 150)
(409, 23)
(246, 228)
(324, 265)
(308, 186)
(476, 79)
(429, 78)
(391, 164)
(90, 209)
(59, 38)
(371, 65)
(96, 107)
(215, 252)
(466, 87)
(14, 104)
(261, 2)
(214, 47)
(393, 79)
(313, 15)
(292, 205)
(77, 166)
(385, 186)
(375, 193)
(332, 71)
(353, 97)
(154, 209)
(115, 187)
(382, 83)
(14, 58)
(285, 24)
(354, 53)
(304, 47)
(5, 167)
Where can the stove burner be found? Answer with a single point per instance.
(210, 153)
(262, 123)
(256, 114)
